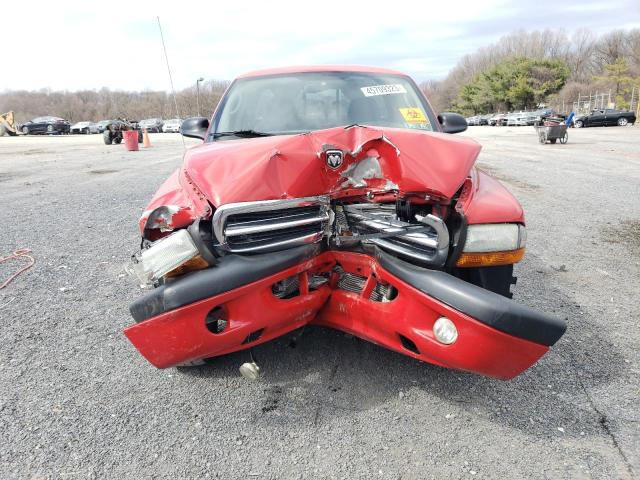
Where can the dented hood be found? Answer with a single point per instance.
(368, 160)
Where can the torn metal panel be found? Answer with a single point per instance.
(290, 166)
(357, 174)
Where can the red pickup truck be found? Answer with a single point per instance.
(334, 196)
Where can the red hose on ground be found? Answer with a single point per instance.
(22, 252)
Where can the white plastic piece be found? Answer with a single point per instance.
(250, 370)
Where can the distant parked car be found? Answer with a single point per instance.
(172, 125)
(48, 125)
(605, 117)
(475, 120)
(484, 119)
(497, 119)
(84, 127)
(517, 119)
(101, 125)
(152, 125)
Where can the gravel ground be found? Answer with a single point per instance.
(77, 400)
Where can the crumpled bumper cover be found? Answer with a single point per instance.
(497, 337)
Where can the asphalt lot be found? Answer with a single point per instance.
(78, 401)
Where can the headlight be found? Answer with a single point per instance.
(493, 244)
(163, 256)
(495, 237)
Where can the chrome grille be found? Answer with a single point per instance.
(270, 225)
(430, 246)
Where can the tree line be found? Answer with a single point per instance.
(526, 69)
(520, 71)
(106, 104)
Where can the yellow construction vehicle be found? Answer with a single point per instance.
(8, 125)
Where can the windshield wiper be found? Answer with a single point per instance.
(241, 133)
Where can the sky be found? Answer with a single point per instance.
(85, 46)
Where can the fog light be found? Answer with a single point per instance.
(445, 331)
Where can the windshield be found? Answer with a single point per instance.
(301, 102)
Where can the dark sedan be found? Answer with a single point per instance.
(48, 125)
(605, 117)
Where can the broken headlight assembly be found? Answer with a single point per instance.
(162, 257)
(493, 244)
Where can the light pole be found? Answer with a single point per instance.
(198, 93)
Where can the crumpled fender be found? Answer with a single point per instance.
(177, 203)
(485, 200)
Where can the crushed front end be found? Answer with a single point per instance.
(410, 254)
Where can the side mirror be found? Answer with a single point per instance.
(195, 127)
(452, 122)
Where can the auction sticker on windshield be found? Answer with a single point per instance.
(374, 90)
(413, 115)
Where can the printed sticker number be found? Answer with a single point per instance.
(382, 90)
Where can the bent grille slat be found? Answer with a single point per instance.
(266, 225)
(270, 225)
(427, 247)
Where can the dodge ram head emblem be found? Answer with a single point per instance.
(334, 158)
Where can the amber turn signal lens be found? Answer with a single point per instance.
(196, 263)
(489, 259)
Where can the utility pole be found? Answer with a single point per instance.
(198, 93)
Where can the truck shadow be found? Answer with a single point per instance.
(329, 371)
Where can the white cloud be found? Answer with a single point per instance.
(91, 47)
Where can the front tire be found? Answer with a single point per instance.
(25, 130)
(50, 129)
(578, 124)
(106, 136)
(622, 122)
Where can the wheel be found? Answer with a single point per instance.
(49, 128)
(553, 141)
(542, 138)
(578, 124)
(622, 121)
(564, 138)
(118, 139)
(86, 131)
(106, 136)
